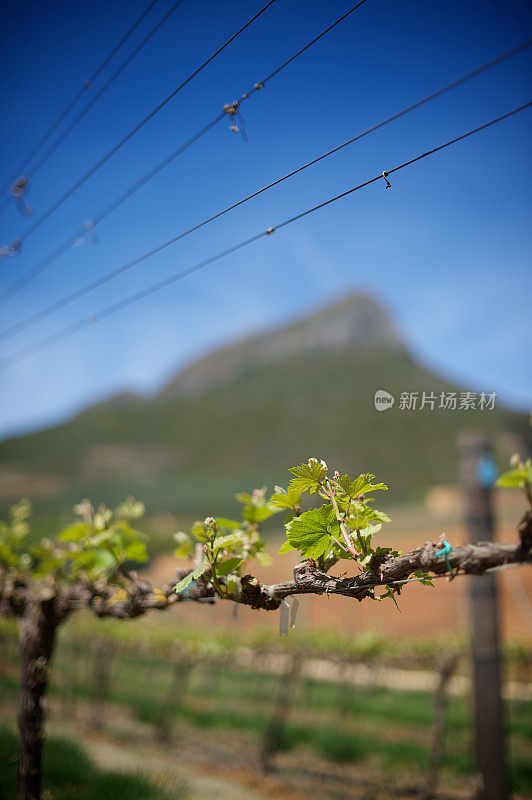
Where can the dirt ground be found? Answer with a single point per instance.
(211, 765)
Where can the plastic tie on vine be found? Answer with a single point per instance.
(283, 621)
(445, 550)
(288, 615)
(184, 593)
(293, 612)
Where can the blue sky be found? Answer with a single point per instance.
(446, 250)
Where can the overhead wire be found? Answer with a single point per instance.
(103, 160)
(67, 243)
(78, 293)
(120, 305)
(77, 97)
(77, 119)
(422, 579)
(49, 259)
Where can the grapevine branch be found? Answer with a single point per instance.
(103, 599)
(469, 559)
(139, 597)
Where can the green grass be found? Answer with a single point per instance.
(142, 685)
(336, 746)
(400, 708)
(69, 774)
(341, 723)
(240, 701)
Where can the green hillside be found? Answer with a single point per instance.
(243, 420)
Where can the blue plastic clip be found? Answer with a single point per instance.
(446, 549)
(487, 472)
(184, 593)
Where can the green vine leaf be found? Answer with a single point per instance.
(361, 485)
(228, 524)
(516, 478)
(258, 513)
(308, 476)
(225, 567)
(74, 533)
(192, 576)
(363, 516)
(310, 532)
(136, 551)
(286, 547)
(390, 593)
(243, 497)
(289, 498)
(225, 542)
(264, 559)
(184, 545)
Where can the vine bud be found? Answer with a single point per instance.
(313, 461)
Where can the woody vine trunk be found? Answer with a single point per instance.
(38, 626)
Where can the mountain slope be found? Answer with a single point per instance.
(240, 417)
(356, 325)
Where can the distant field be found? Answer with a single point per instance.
(220, 712)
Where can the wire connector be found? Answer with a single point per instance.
(90, 237)
(385, 176)
(18, 190)
(269, 231)
(232, 110)
(20, 186)
(12, 249)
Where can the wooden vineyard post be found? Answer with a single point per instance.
(173, 698)
(477, 474)
(441, 698)
(103, 661)
(277, 723)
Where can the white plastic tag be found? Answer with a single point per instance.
(283, 622)
(293, 612)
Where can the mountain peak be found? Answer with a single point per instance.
(355, 323)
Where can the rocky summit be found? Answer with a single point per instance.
(356, 324)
